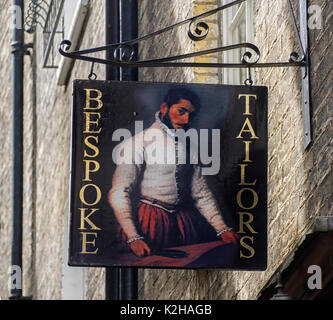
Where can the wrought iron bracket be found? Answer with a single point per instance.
(124, 53)
(23, 49)
(306, 93)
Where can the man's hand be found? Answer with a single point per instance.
(140, 248)
(230, 237)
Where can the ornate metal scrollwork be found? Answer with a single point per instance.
(198, 30)
(200, 27)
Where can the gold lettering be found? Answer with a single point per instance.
(247, 223)
(98, 194)
(89, 121)
(247, 124)
(255, 199)
(91, 126)
(246, 218)
(85, 242)
(243, 183)
(247, 151)
(97, 99)
(91, 146)
(85, 218)
(246, 246)
(247, 102)
(88, 169)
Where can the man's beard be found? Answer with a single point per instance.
(166, 120)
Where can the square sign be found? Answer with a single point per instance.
(168, 175)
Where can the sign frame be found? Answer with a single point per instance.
(245, 98)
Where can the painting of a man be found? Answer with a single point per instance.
(163, 217)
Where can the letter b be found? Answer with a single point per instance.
(97, 99)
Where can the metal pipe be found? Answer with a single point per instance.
(17, 146)
(112, 275)
(121, 19)
(129, 30)
(111, 35)
(112, 280)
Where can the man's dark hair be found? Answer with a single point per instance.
(175, 95)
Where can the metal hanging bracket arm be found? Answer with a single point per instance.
(124, 53)
(197, 31)
(292, 14)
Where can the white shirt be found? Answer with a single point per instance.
(155, 164)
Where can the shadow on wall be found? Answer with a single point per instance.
(171, 43)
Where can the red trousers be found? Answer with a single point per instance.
(162, 229)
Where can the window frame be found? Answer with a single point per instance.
(230, 22)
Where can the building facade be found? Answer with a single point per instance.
(300, 181)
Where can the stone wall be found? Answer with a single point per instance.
(300, 182)
(47, 123)
(52, 166)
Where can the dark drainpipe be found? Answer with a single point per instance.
(17, 147)
(19, 49)
(128, 31)
(121, 21)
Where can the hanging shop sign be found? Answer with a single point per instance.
(168, 175)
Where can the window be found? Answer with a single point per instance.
(53, 31)
(237, 27)
(63, 19)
